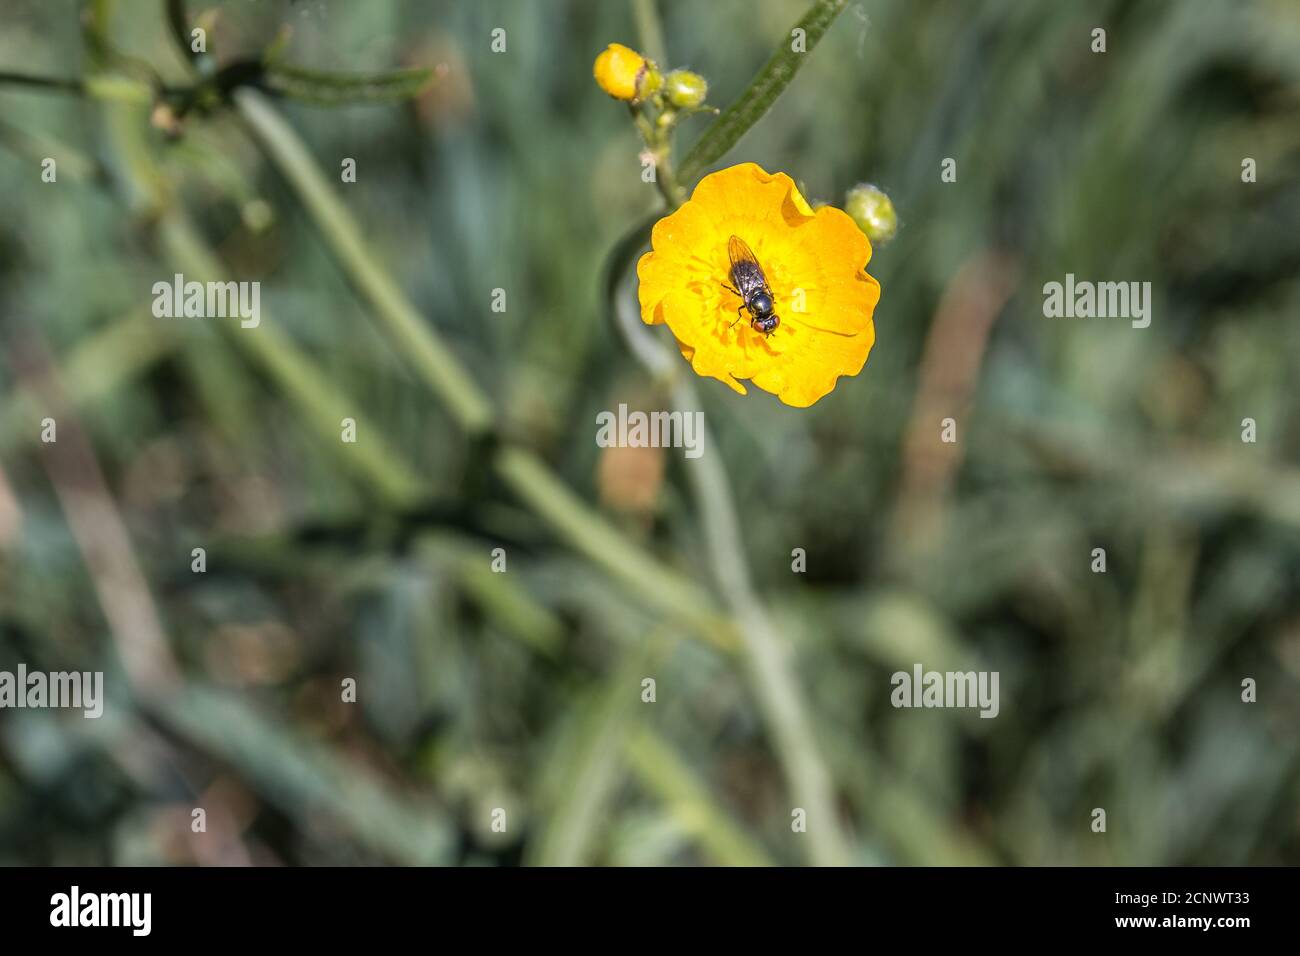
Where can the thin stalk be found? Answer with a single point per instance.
(323, 406)
(650, 30)
(663, 772)
(665, 178)
(771, 664)
(659, 587)
(419, 342)
(47, 84)
(658, 141)
(772, 672)
(529, 479)
(178, 23)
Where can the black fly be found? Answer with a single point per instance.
(751, 285)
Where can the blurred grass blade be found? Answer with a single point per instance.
(586, 765)
(34, 146)
(322, 406)
(535, 484)
(122, 352)
(763, 90)
(691, 802)
(502, 598)
(328, 89)
(660, 587)
(305, 778)
(650, 30)
(622, 310)
(422, 344)
(47, 84)
(178, 24)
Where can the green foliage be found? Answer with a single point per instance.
(522, 690)
(330, 89)
(775, 76)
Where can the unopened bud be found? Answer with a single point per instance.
(686, 90)
(872, 210)
(619, 71)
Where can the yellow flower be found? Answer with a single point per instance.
(814, 263)
(619, 71)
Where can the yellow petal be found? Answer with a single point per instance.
(814, 263)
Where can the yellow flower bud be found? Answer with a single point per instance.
(619, 71)
(872, 210)
(686, 90)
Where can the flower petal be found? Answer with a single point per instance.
(814, 263)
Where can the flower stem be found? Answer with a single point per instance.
(666, 179)
(772, 672)
(421, 344)
(658, 140)
(656, 584)
(762, 91)
(52, 84)
(650, 29)
(767, 653)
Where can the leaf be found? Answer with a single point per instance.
(180, 28)
(691, 802)
(586, 765)
(774, 77)
(119, 89)
(432, 359)
(310, 780)
(330, 88)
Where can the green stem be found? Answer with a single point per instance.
(762, 91)
(178, 23)
(323, 406)
(650, 30)
(528, 478)
(661, 588)
(658, 140)
(48, 84)
(664, 773)
(772, 673)
(767, 653)
(666, 179)
(417, 339)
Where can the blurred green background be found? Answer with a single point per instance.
(522, 691)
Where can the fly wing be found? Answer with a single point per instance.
(746, 273)
(740, 253)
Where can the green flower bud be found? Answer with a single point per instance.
(650, 81)
(872, 211)
(258, 215)
(686, 90)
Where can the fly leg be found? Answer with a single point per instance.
(741, 310)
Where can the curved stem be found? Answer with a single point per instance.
(421, 344)
(766, 652)
(650, 30)
(48, 84)
(772, 668)
(656, 584)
